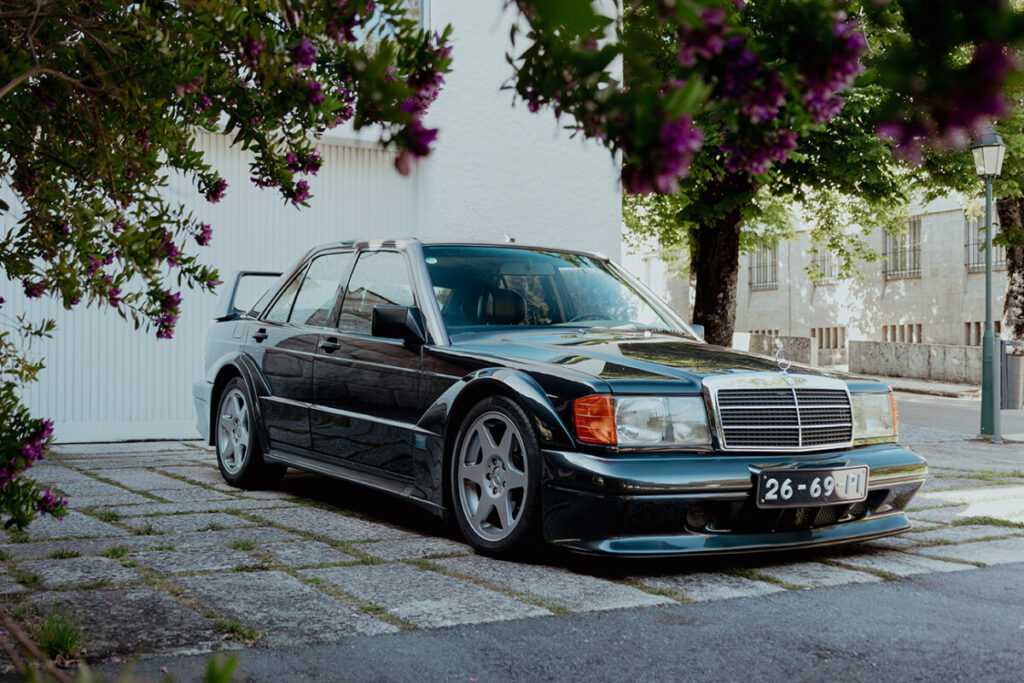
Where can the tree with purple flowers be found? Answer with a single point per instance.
(101, 101)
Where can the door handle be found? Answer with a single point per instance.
(330, 345)
(261, 334)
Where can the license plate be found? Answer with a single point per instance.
(803, 488)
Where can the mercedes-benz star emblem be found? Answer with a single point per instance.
(782, 360)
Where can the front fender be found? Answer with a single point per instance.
(516, 383)
(255, 384)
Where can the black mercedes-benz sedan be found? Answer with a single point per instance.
(543, 393)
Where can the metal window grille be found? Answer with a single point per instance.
(764, 269)
(903, 251)
(974, 244)
(824, 261)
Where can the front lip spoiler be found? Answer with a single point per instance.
(718, 544)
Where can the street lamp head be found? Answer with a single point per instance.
(988, 150)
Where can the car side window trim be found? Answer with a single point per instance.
(299, 274)
(355, 263)
(338, 294)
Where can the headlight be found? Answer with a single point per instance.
(875, 417)
(642, 420)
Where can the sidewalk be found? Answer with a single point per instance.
(930, 387)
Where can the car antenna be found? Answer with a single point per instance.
(508, 238)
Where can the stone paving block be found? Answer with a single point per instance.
(207, 559)
(941, 515)
(901, 564)
(1002, 551)
(55, 474)
(176, 524)
(424, 597)
(333, 525)
(893, 542)
(197, 539)
(265, 495)
(122, 498)
(816, 574)
(9, 586)
(199, 506)
(576, 592)
(982, 494)
(190, 495)
(414, 548)
(710, 586)
(134, 619)
(285, 609)
(90, 487)
(934, 484)
(144, 480)
(91, 449)
(920, 502)
(305, 553)
(208, 475)
(76, 571)
(961, 534)
(100, 468)
(74, 525)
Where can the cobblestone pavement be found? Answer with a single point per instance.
(159, 555)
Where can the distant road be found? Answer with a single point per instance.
(935, 418)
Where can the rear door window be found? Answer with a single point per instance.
(319, 289)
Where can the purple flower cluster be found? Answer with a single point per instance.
(205, 233)
(252, 48)
(113, 293)
(32, 449)
(678, 141)
(342, 27)
(744, 79)
(300, 193)
(705, 42)
(95, 262)
(303, 54)
(188, 87)
(215, 191)
(775, 147)
(821, 90)
(314, 93)
(170, 249)
(168, 316)
(955, 116)
(50, 503)
(417, 139)
(142, 140)
(304, 163)
(33, 290)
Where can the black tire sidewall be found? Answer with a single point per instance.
(527, 528)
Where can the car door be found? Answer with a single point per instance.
(284, 343)
(366, 388)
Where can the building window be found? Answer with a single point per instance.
(974, 243)
(903, 251)
(824, 266)
(829, 337)
(766, 333)
(974, 331)
(908, 333)
(764, 269)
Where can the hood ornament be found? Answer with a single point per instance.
(782, 359)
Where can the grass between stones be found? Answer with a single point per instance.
(880, 573)
(105, 515)
(58, 634)
(233, 629)
(552, 606)
(23, 577)
(670, 593)
(243, 544)
(64, 554)
(746, 573)
(371, 608)
(989, 521)
(116, 552)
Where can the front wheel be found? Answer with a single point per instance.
(495, 476)
(238, 453)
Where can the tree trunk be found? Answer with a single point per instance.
(717, 260)
(1011, 222)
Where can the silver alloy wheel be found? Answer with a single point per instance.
(492, 476)
(233, 432)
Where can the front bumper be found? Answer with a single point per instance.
(669, 504)
(202, 392)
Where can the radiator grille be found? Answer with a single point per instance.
(771, 419)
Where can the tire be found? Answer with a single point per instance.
(495, 478)
(239, 455)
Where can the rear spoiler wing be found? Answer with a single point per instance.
(226, 309)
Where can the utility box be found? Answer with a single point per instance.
(1012, 363)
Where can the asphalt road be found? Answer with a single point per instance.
(965, 625)
(962, 415)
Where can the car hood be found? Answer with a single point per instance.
(630, 361)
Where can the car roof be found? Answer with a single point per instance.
(405, 242)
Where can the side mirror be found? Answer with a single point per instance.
(699, 329)
(398, 322)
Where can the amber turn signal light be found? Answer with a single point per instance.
(595, 419)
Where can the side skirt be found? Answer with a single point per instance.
(373, 481)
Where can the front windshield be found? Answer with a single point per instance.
(478, 288)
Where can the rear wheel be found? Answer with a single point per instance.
(495, 477)
(238, 452)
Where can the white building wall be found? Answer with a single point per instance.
(495, 170)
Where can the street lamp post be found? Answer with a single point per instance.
(988, 151)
